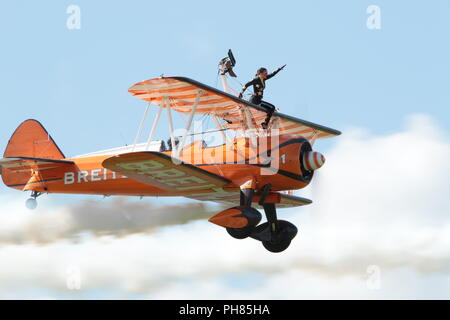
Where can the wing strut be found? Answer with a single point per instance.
(155, 123)
(189, 123)
(169, 116)
(141, 126)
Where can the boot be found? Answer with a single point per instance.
(265, 124)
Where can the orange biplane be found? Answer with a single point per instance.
(255, 168)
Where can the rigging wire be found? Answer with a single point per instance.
(236, 80)
(204, 132)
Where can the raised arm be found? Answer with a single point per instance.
(275, 72)
(248, 84)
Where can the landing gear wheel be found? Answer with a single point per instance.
(31, 203)
(277, 246)
(281, 239)
(253, 218)
(241, 233)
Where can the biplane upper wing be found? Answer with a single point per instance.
(159, 170)
(182, 94)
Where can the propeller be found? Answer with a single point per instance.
(312, 161)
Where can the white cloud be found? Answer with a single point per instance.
(380, 200)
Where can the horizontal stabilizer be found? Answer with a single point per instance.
(27, 162)
(24, 173)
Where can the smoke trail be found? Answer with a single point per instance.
(122, 217)
(118, 217)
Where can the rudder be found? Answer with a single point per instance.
(32, 140)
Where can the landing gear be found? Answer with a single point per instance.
(242, 222)
(31, 203)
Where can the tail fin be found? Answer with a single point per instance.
(24, 164)
(31, 140)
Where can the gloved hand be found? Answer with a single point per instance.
(281, 68)
(240, 95)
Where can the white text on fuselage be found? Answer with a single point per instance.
(94, 175)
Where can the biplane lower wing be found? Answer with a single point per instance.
(160, 170)
(232, 197)
(289, 201)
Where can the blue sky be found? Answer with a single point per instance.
(339, 74)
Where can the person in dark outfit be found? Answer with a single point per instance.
(259, 84)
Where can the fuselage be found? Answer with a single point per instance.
(274, 160)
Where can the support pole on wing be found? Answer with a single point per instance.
(225, 85)
(141, 125)
(169, 116)
(155, 124)
(189, 123)
(223, 79)
(250, 128)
